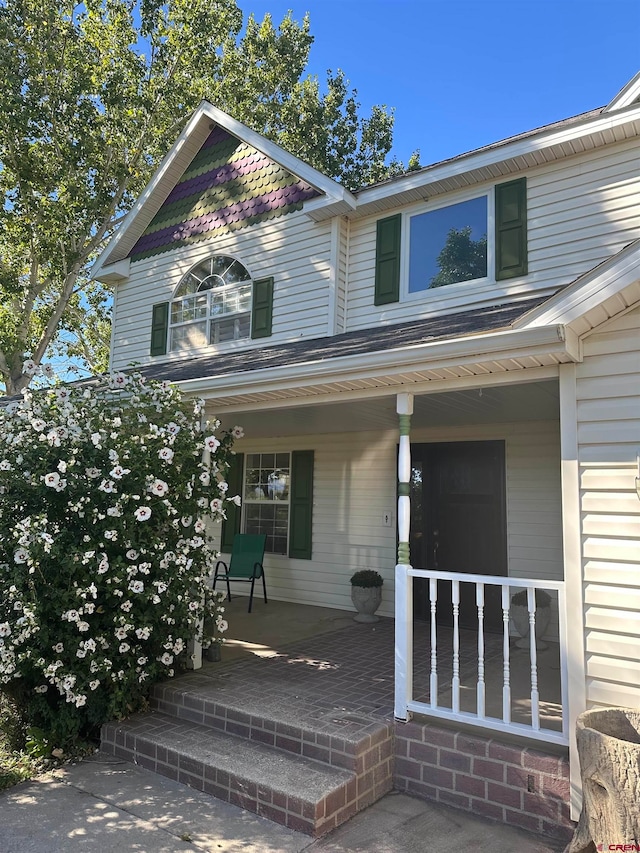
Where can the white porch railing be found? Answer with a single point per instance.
(477, 687)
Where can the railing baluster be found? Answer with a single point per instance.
(506, 686)
(433, 678)
(455, 681)
(480, 690)
(533, 652)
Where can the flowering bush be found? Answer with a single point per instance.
(104, 554)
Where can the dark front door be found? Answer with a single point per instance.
(458, 523)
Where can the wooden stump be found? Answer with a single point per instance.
(609, 752)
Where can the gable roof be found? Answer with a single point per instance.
(196, 134)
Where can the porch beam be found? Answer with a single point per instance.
(429, 386)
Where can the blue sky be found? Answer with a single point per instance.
(464, 73)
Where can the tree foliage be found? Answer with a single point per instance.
(94, 95)
(461, 258)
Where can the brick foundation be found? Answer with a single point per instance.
(516, 785)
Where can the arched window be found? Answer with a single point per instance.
(211, 305)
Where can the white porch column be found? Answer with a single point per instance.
(573, 581)
(404, 587)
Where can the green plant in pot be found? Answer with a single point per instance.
(366, 594)
(520, 617)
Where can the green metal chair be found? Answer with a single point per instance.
(247, 554)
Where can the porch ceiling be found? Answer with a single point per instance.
(501, 404)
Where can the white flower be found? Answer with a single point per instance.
(83, 626)
(38, 424)
(62, 466)
(121, 633)
(166, 659)
(107, 486)
(92, 473)
(211, 443)
(111, 534)
(199, 526)
(118, 380)
(205, 479)
(222, 625)
(80, 701)
(123, 647)
(58, 648)
(173, 428)
(93, 685)
(62, 394)
(117, 472)
(5, 465)
(30, 367)
(52, 480)
(132, 554)
(41, 688)
(5, 629)
(186, 520)
(20, 555)
(96, 438)
(136, 586)
(216, 505)
(143, 633)
(166, 454)
(237, 432)
(114, 511)
(143, 513)
(159, 488)
(236, 499)
(223, 486)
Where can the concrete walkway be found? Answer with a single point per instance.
(104, 805)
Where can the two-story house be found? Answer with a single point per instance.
(438, 378)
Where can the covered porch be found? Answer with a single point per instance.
(297, 723)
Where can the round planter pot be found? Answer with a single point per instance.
(366, 600)
(520, 618)
(213, 654)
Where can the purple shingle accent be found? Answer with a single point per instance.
(217, 176)
(274, 200)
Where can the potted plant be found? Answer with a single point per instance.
(520, 617)
(366, 594)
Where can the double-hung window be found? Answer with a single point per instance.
(266, 498)
(211, 305)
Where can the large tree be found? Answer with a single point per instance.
(93, 95)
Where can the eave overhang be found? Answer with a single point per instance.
(480, 355)
(495, 162)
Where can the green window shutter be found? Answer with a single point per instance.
(511, 229)
(262, 308)
(387, 281)
(301, 504)
(231, 525)
(159, 328)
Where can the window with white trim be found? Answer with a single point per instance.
(448, 245)
(211, 305)
(267, 480)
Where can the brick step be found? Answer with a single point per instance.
(297, 792)
(333, 736)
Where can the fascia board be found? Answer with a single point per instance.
(508, 151)
(149, 191)
(332, 190)
(626, 96)
(591, 290)
(485, 347)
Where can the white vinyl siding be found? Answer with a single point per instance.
(580, 212)
(355, 486)
(608, 394)
(295, 251)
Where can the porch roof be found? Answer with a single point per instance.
(397, 336)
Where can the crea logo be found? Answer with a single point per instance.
(623, 847)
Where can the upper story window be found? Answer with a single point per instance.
(480, 239)
(448, 245)
(211, 305)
